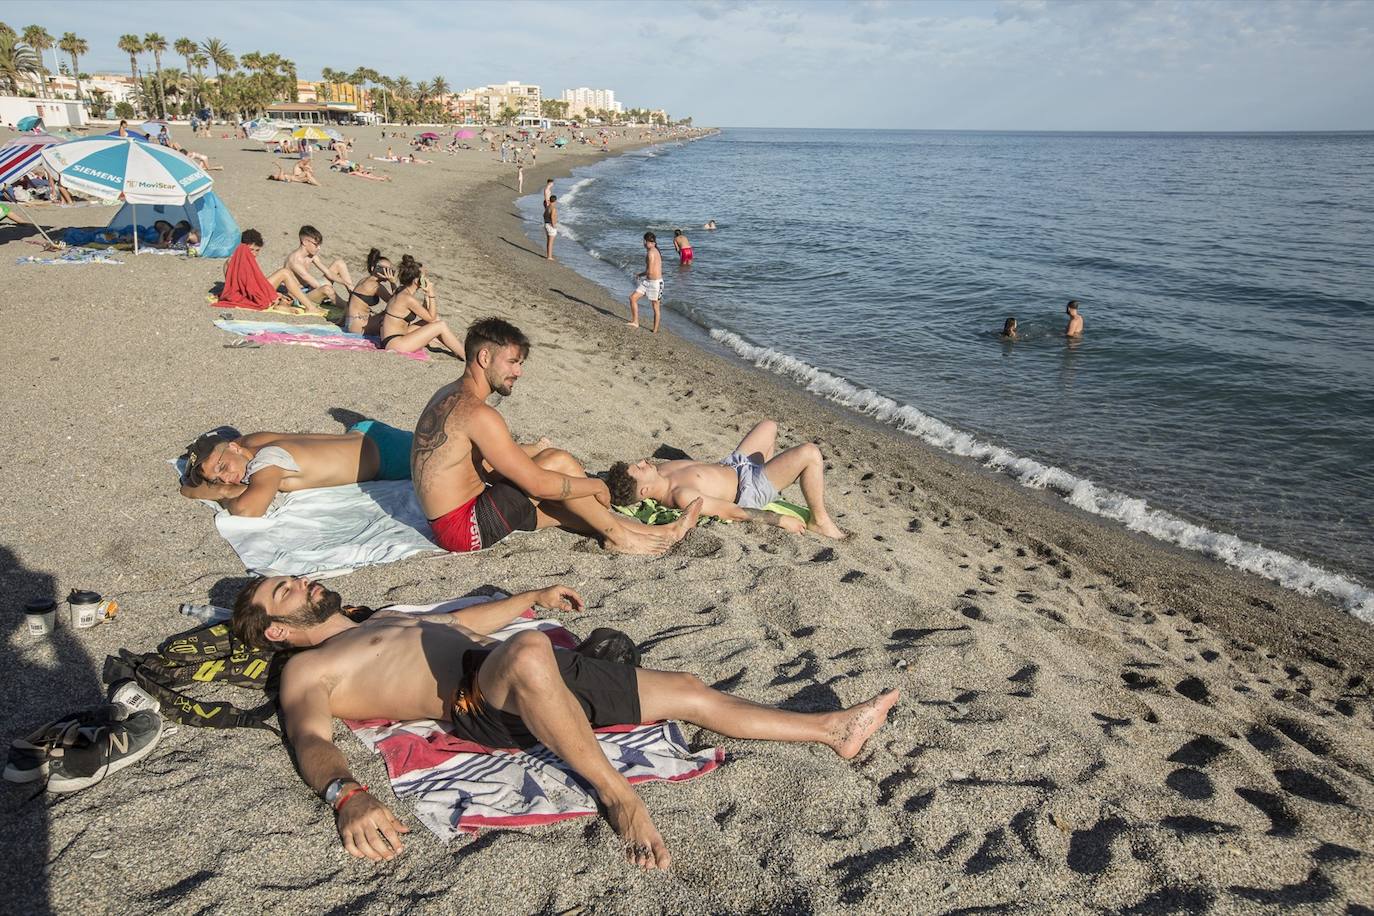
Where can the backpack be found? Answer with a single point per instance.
(208, 654)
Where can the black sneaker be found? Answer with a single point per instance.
(610, 645)
(28, 757)
(102, 749)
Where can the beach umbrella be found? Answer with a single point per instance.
(561, 141)
(465, 135)
(118, 168)
(429, 135)
(136, 134)
(310, 132)
(333, 134)
(32, 122)
(264, 133)
(154, 127)
(20, 156)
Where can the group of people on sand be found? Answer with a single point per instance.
(477, 485)
(395, 304)
(1073, 329)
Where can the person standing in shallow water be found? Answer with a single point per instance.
(1075, 326)
(650, 281)
(550, 225)
(1009, 330)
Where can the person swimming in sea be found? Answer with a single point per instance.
(1009, 330)
(1075, 326)
(710, 224)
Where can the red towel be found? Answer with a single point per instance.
(245, 286)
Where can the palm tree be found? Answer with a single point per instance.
(185, 47)
(328, 77)
(157, 44)
(17, 61)
(218, 53)
(132, 45)
(37, 37)
(75, 47)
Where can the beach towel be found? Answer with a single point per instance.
(459, 787)
(328, 531)
(72, 256)
(245, 285)
(651, 512)
(319, 336)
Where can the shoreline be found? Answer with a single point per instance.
(1340, 590)
(1069, 691)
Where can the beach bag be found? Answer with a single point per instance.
(208, 654)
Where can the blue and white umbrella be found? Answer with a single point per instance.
(121, 168)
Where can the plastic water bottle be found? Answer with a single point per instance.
(205, 613)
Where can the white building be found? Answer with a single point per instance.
(580, 100)
(54, 112)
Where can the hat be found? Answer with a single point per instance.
(199, 450)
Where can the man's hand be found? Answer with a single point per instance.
(369, 830)
(559, 598)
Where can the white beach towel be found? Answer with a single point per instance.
(459, 787)
(329, 531)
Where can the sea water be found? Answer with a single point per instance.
(1222, 395)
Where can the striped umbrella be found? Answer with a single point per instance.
(18, 157)
(310, 132)
(116, 168)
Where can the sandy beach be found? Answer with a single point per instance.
(1090, 720)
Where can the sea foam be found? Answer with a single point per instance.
(567, 196)
(1131, 511)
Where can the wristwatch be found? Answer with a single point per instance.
(335, 789)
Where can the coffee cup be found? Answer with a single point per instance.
(41, 614)
(86, 609)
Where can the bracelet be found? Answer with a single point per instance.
(338, 805)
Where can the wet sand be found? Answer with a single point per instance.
(1090, 720)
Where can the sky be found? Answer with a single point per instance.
(972, 65)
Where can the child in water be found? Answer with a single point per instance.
(1009, 330)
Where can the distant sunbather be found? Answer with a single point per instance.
(303, 173)
(245, 474)
(738, 487)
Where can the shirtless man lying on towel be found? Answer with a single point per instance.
(477, 485)
(498, 694)
(245, 474)
(738, 487)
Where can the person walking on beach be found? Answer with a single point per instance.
(477, 485)
(1075, 326)
(548, 191)
(550, 224)
(650, 281)
(520, 179)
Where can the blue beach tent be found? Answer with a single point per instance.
(207, 214)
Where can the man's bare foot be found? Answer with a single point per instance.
(857, 724)
(638, 539)
(633, 324)
(686, 522)
(826, 526)
(643, 844)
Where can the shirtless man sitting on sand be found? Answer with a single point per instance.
(300, 262)
(477, 486)
(738, 487)
(245, 473)
(498, 694)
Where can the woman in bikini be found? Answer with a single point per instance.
(415, 299)
(375, 288)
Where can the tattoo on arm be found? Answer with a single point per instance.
(567, 488)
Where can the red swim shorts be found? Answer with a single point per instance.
(485, 519)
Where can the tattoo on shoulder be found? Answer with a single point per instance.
(430, 431)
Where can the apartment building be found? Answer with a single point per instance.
(583, 99)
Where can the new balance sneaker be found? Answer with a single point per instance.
(29, 756)
(103, 749)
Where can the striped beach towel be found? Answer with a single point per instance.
(460, 787)
(321, 337)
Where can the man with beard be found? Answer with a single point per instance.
(477, 485)
(506, 694)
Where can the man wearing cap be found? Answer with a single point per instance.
(245, 473)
